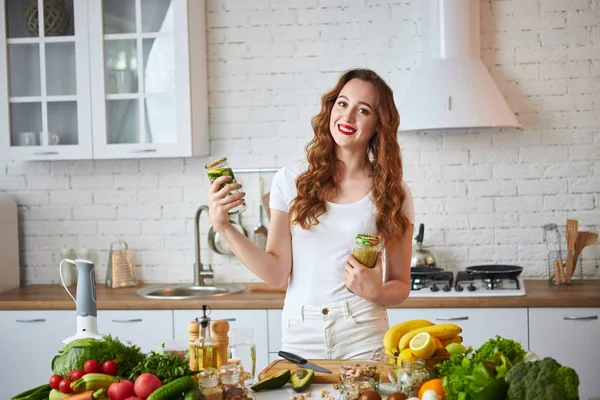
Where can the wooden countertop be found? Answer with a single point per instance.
(54, 297)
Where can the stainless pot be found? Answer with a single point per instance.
(422, 256)
(216, 242)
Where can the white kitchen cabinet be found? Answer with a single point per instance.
(478, 324)
(124, 79)
(147, 329)
(256, 319)
(274, 317)
(30, 340)
(572, 337)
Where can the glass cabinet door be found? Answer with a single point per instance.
(139, 48)
(46, 91)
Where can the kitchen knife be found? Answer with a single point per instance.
(302, 362)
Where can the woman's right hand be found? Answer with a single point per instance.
(219, 203)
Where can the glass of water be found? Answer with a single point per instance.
(242, 347)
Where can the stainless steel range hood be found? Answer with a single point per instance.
(452, 88)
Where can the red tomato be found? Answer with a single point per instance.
(92, 366)
(65, 386)
(74, 375)
(55, 381)
(110, 367)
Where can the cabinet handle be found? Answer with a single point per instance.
(45, 153)
(452, 318)
(588, 318)
(144, 151)
(126, 321)
(32, 320)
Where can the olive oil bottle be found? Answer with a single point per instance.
(204, 348)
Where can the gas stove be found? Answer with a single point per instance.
(476, 281)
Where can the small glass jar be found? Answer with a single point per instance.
(411, 376)
(220, 168)
(230, 379)
(351, 389)
(208, 380)
(366, 248)
(359, 369)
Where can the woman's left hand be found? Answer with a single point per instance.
(364, 282)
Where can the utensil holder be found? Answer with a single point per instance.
(557, 271)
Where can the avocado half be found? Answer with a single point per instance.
(275, 381)
(301, 379)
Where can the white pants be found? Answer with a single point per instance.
(348, 329)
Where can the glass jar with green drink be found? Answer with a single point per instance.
(366, 248)
(220, 168)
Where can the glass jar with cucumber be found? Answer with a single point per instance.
(366, 248)
(218, 168)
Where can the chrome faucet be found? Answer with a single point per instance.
(200, 274)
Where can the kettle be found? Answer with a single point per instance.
(85, 303)
(422, 256)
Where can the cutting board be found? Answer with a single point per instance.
(332, 365)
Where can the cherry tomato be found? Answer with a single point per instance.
(65, 386)
(92, 366)
(55, 381)
(74, 375)
(110, 367)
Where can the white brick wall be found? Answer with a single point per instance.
(483, 195)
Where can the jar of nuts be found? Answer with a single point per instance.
(352, 388)
(353, 369)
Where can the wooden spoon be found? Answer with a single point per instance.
(583, 240)
(572, 228)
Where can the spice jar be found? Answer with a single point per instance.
(366, 248)
(230, 379)
(352, 388)
(208, 380)
(411, 375)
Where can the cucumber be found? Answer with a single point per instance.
(93, 381)
(173, 389)
(37, 393)
(194, 394)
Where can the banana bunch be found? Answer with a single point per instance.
(398, 337)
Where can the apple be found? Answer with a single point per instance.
(121, 390)
(145, 384)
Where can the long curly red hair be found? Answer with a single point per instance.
(318, 183)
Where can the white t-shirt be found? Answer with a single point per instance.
(319, 253)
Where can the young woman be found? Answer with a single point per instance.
(351, 183)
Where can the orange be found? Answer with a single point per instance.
(434, 384)
(438, 343)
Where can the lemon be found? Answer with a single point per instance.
(422, 345)
(405, 354)
(456, 348)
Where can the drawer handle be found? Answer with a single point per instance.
(45, 153)
(588, 318)
(126, 321)
(144, 151)
(452, 318)
(228, 319)
(32, 320)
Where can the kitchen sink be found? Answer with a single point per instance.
(188, 291)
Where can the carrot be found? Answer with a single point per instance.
(87, 395)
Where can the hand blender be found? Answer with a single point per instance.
(86, 300)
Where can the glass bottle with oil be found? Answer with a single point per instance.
(204, 347)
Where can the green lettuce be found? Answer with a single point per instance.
(76, 353)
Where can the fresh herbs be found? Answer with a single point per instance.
(167, 366)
